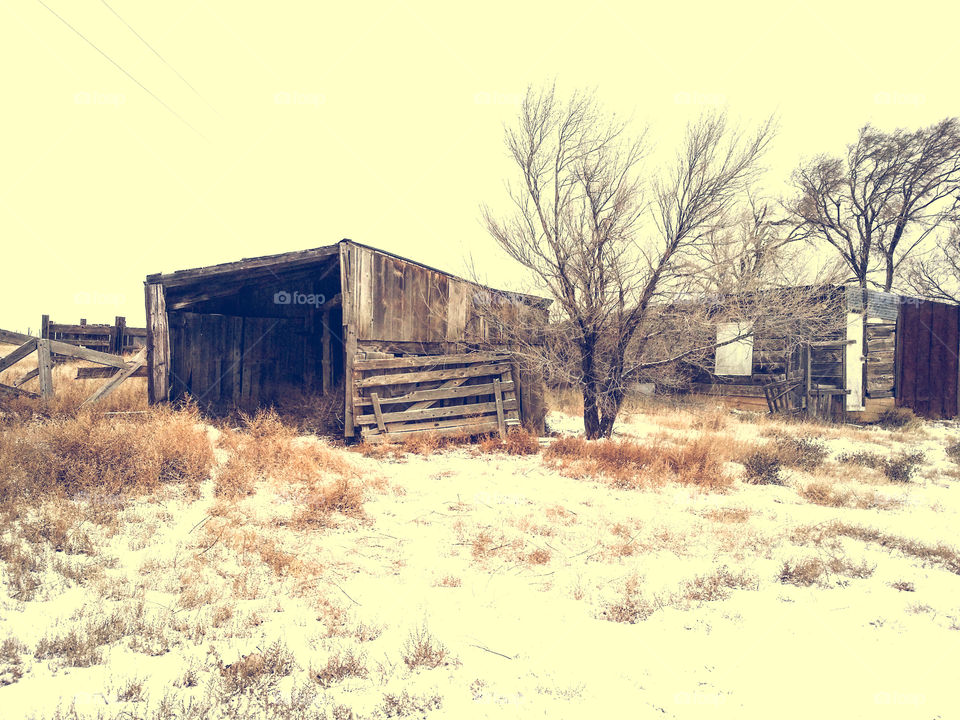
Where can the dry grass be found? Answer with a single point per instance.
(826, 494)
(255, 672)
(341, 496)
(940, 555)
(900, 468)
(728, 515)
(407, 705)
(630, 465)
(519, 442)
(717, 585)
(422, 650)
(630, 607)
(339, 667)
(812, 570)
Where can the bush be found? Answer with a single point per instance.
(898, 418)
(903, 467)
(802, 452)
(763, 467)
(953, 451)
(423, 650)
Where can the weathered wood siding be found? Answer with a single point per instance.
(927, 358)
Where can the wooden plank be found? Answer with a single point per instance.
(19, 354)
(377, 413)
(449, 384)
(61, 348)
(16, 391)
(347, 288)
(27, 378)
(479, 428)
(444, 392)
(138, 361)
(415, 377)
(500, 406)
(326, 359)
(440, 424)
(158, 343)
(45, 368)
(728, 390)
(403, 416)
(432, 360)
(99, 373)
(267, 264)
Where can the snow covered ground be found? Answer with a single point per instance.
(491, 585)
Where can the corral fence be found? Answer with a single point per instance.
(469, 393)
(115, 368)
(116, 339)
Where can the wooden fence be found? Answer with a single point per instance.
(470, 393)
(115, 339)
(117, 368)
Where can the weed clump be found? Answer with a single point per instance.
(763, 467)
(899, 418)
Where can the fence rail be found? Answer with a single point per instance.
(115, 339)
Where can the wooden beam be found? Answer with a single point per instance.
(99, 373)
(415, 377)
(444, 392)
(19, 354)
(15, 391)
(499, 403)
(45, 368)
(158, 343)
(113, 383)
(377, 413)
(326, 360)
(432, 360)
(404, 416)
(483, 426)
(66, 349)
(27, 378)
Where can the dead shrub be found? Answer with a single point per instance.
(823, 493)
(252, 672)
(728, 515)
(422, 650)
(900, 468)
(339, 667)
(802, 573)
(537, 557)
(717, 585)
(104, 455)
(953, 451)
(800, 451)
(898, 418)
(903, 586)
(940, 555)
(630, 607)
(11, 664)
(629, 465)
(341, 496)
(519, 442)
(406, 705)
(763, 467)
(449, 581)
(80, 646)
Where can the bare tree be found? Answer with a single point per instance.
(610, 251)
(880, 202)
(936, 274)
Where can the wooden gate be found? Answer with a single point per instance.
(470, 393)
(927, 346)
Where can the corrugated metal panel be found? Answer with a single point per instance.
(883, 305)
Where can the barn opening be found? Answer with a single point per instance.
(408, 348)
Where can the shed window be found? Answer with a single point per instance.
(734, 358)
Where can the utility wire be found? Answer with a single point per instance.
(121, 69)
(156, 52)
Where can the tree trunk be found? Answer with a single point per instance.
(591, 410)
(888, 282)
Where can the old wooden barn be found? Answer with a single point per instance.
(888, 351)
(409, 348)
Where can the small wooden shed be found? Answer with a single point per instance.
(887, 350)
(410, 348)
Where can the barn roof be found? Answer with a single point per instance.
(270, 265)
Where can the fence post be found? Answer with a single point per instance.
(45, 326)
(119, 325)
(45, 368)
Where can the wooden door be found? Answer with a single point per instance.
(928, 340)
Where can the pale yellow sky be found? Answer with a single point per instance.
(382, 122)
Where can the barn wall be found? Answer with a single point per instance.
(394, 306)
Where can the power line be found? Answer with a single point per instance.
(156, 52)
(121, 69)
